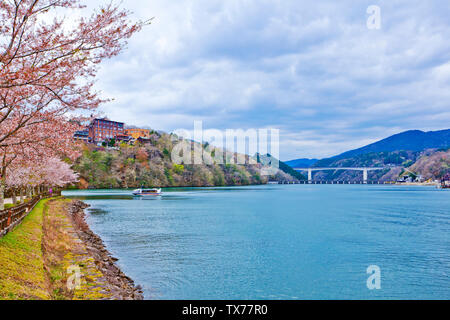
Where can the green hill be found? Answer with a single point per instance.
(150, 165)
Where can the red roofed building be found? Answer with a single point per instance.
(103, 129)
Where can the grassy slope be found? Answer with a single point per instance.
(22, 274)
(35, 256)
(63, 249)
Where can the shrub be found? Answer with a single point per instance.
(166, 152)
(178, 169)
(168, 175)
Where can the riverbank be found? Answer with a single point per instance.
(425, 184)
(119, 286)
(54, 255)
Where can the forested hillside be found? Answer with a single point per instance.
(430, 164)
(373, 159)
(433, 165)
(150, 165)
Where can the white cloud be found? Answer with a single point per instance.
(294, 65)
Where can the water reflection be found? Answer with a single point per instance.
(126, 194)
(97, 211)
(100, 197)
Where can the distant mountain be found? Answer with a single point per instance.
(301, 163)
(287, 169)
(283, 167)
(397, 151)
(413, 140)
(390, 160)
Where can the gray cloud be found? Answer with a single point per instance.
(313, 70)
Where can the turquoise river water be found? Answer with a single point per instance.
(279, 241)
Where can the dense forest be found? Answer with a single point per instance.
(150, 165)
(433, 165)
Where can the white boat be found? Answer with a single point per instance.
(142, 192)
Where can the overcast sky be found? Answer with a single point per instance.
(312, 69)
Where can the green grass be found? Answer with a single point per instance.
(22, 274)
(9, 205)
(35, 257)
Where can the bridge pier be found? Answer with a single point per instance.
(366, 175)
(309, 176)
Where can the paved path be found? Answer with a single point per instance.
(9, 200)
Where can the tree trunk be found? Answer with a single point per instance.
(29, 192)
(21, 194)
(2, 194)
(14, 197)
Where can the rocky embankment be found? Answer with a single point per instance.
(119, 285)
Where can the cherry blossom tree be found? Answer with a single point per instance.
(51, 138)
(47, 72)
(55, 172)
(47, 68)
(49, 172)
(15, 180)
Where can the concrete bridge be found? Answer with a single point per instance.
(365, 171)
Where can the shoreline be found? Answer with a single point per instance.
(422, 184)
(121, 286)
(54, 255)
(172, 187)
